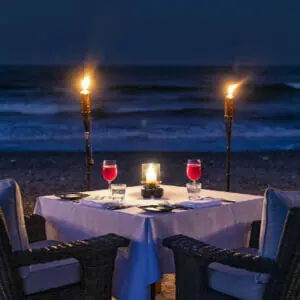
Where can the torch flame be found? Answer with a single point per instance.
(231, 89)
(85, 84)
(151, 174)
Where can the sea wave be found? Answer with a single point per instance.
(295, 85)
(277, 87)
(110, 108)
(166, 132)
(157, 112)
(174, 88)
(30, 108)
(152, 88)
(168, 87)
(266, 111)
(162, 106)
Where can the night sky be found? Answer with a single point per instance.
(150, 32)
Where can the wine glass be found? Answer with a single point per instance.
(109, 171)
(194, 169)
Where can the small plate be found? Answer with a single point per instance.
(159, 208)
(71, 196)
(117, 207)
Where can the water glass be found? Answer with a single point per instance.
(118, 192)
(194, 191)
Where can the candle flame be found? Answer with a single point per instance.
(230, 90)
(85, 84)
(151, 174)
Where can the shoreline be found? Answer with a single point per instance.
(138, 151)
(41, 173)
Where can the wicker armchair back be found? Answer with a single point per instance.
(96, 257)
(285, 283)
(192, 258)
(9, 282)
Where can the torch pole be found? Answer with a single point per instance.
(88, 151)
(228, 125)
(228, 117)
(86, 117)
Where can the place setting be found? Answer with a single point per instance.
(176, 198)
(149, 197)
(72, 196)
(113, 197)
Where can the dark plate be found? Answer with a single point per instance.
(71, 196)
(178, 206)
(116, 207)
(160, 208)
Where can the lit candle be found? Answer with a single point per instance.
(85, 96)
(151, 181)
(151, 176)
(229, 100)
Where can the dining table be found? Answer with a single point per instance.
(224, 222)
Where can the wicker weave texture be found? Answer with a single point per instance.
(96, 257)
(192, 258)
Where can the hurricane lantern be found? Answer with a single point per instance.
(151, 181)
(150, 173)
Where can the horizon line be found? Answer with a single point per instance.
(147, 65)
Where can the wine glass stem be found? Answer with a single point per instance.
(194, 182)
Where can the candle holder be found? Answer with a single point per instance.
(151, 181)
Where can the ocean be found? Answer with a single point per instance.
(149, 109)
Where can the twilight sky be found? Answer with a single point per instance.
(150, 32)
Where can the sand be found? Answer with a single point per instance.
(41, 173)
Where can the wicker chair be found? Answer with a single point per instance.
(193, 259)
(96, 257)
(88, 263)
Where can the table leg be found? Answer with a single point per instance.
(158, 287)
(152, 291)
(155, 289)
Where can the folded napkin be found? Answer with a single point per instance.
(97, 201)
(201, 203)
(144, 202)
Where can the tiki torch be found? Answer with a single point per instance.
(85, 100)
(228, 117)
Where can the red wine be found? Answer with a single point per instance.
(109, 173)
(193, 172)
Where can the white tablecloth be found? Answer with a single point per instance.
(146, 260)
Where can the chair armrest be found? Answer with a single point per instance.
(254, 236)
(181, 244)
(103, 244)
(35, 226)
(96, 257)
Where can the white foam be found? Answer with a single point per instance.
(295, 85)
(69, 131)
(31, 108)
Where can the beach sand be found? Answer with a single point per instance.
(41, 173)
